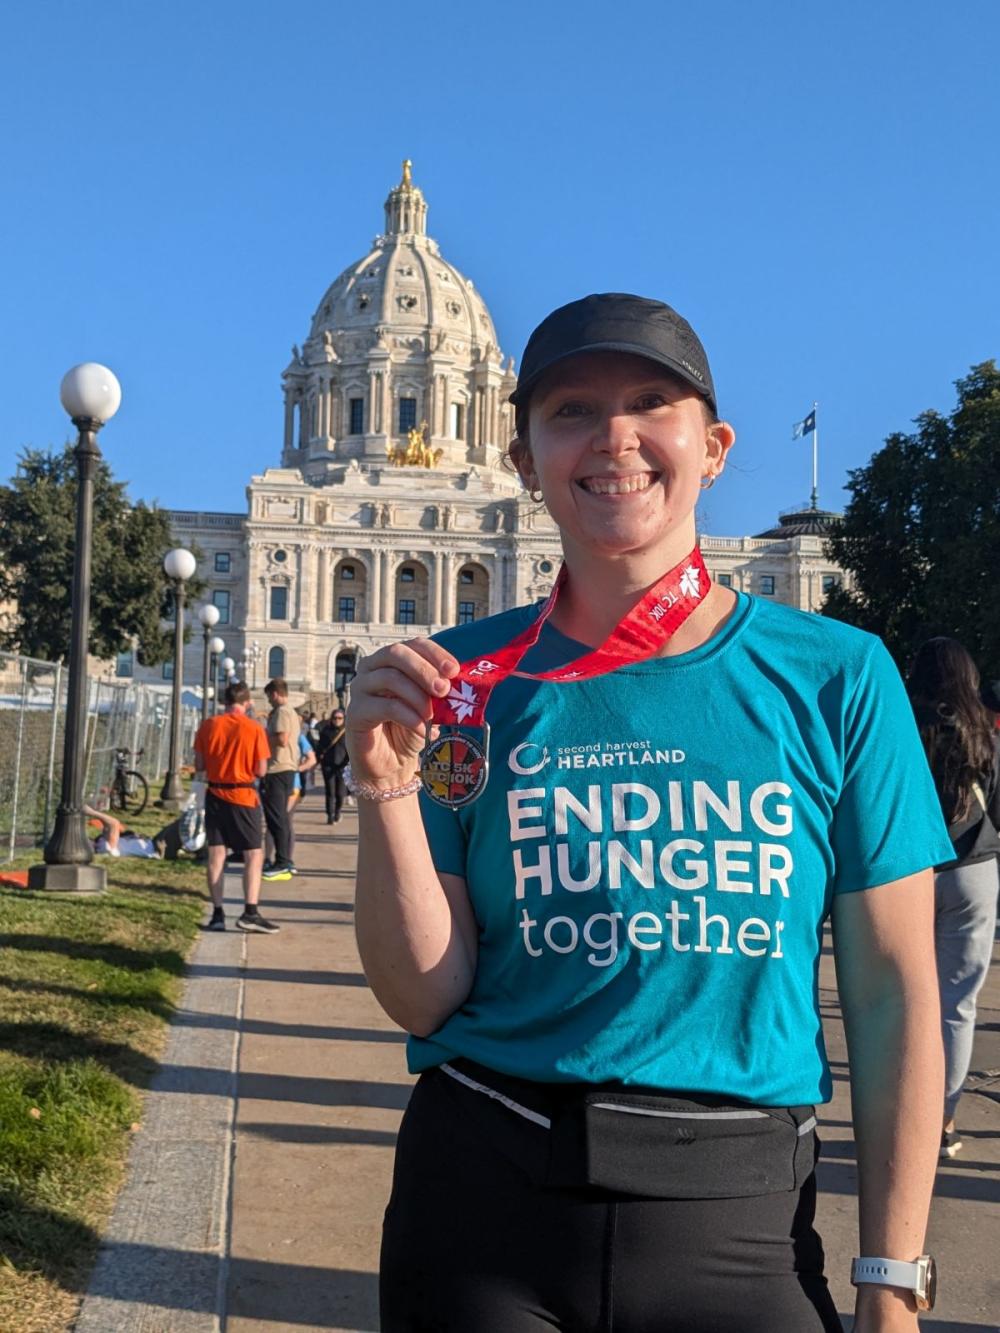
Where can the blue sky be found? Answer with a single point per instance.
(815, 187)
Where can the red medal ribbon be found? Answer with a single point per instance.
(651, 622)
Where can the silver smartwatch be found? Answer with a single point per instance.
(920, 1276)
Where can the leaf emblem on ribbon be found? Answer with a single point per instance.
(689, 582)
(463, 700)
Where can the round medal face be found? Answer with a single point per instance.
(454, 769)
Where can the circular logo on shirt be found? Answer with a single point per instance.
(454, 769)
(528, 758)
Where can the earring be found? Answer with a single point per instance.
(708, 482)
(535, 496)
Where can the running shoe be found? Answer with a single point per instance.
(272, 873)
(254, 922)
(218, 920)
(951, 1144)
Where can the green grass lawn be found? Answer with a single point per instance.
(87, 988)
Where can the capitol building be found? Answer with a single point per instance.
(392, 513)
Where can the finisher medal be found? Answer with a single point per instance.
(455, 767)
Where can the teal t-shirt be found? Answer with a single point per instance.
(656, 850)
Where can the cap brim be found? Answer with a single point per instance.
(525, 388)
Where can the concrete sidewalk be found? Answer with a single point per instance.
(257, 1185)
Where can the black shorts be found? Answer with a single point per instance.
(476, 1241)
(238, 827)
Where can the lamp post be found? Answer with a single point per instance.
(215, 647)
(228, 669)
(209, 617)
(179, 565)
(255, 656)
(91, 395)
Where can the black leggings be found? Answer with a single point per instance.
(474, 1243)
(333, 781)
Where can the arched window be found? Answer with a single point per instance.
(276, 663)
(473, 594)
(345, 669)
(412, 594)
(350, 591)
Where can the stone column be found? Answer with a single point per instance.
(300, 577)
(373, 611)
(322, 561)
(388, 608)
(289, 421)
(448, 598)
(494, 569)
(374, 403)
(438, 588)
(389, 425)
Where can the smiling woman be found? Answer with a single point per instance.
(574, 932)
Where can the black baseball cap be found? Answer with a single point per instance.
(616, 322)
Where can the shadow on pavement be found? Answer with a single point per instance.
(197, 1081)
(834, 1177)
(268, 1028)
(282, 975)
(283, 1294)
(324, 837)
(280, 901)
(313, 873)
(275, 1132)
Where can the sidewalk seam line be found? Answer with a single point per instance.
(229, 1157)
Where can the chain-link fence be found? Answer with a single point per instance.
(120, 715)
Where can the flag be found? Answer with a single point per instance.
(804, 427)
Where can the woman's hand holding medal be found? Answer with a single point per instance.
(391, 705)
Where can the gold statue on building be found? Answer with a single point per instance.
(416, 452)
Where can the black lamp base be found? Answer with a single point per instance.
(68, 879)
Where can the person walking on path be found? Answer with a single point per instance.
(306, 769)
(283, 728)
(963, 749)
(231, 753)
(332, 755)
(608, 966)
(307, 764)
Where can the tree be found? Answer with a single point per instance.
(129, 594)
(921, 534)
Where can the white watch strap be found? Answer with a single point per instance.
(886, 1272)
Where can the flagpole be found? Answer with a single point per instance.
(815, 491)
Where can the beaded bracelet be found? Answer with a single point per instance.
(369, 792)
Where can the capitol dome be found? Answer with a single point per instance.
(403, 281)
(400, 341)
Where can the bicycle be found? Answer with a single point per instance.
(129, 789)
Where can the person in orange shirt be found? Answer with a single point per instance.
(231, 752)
